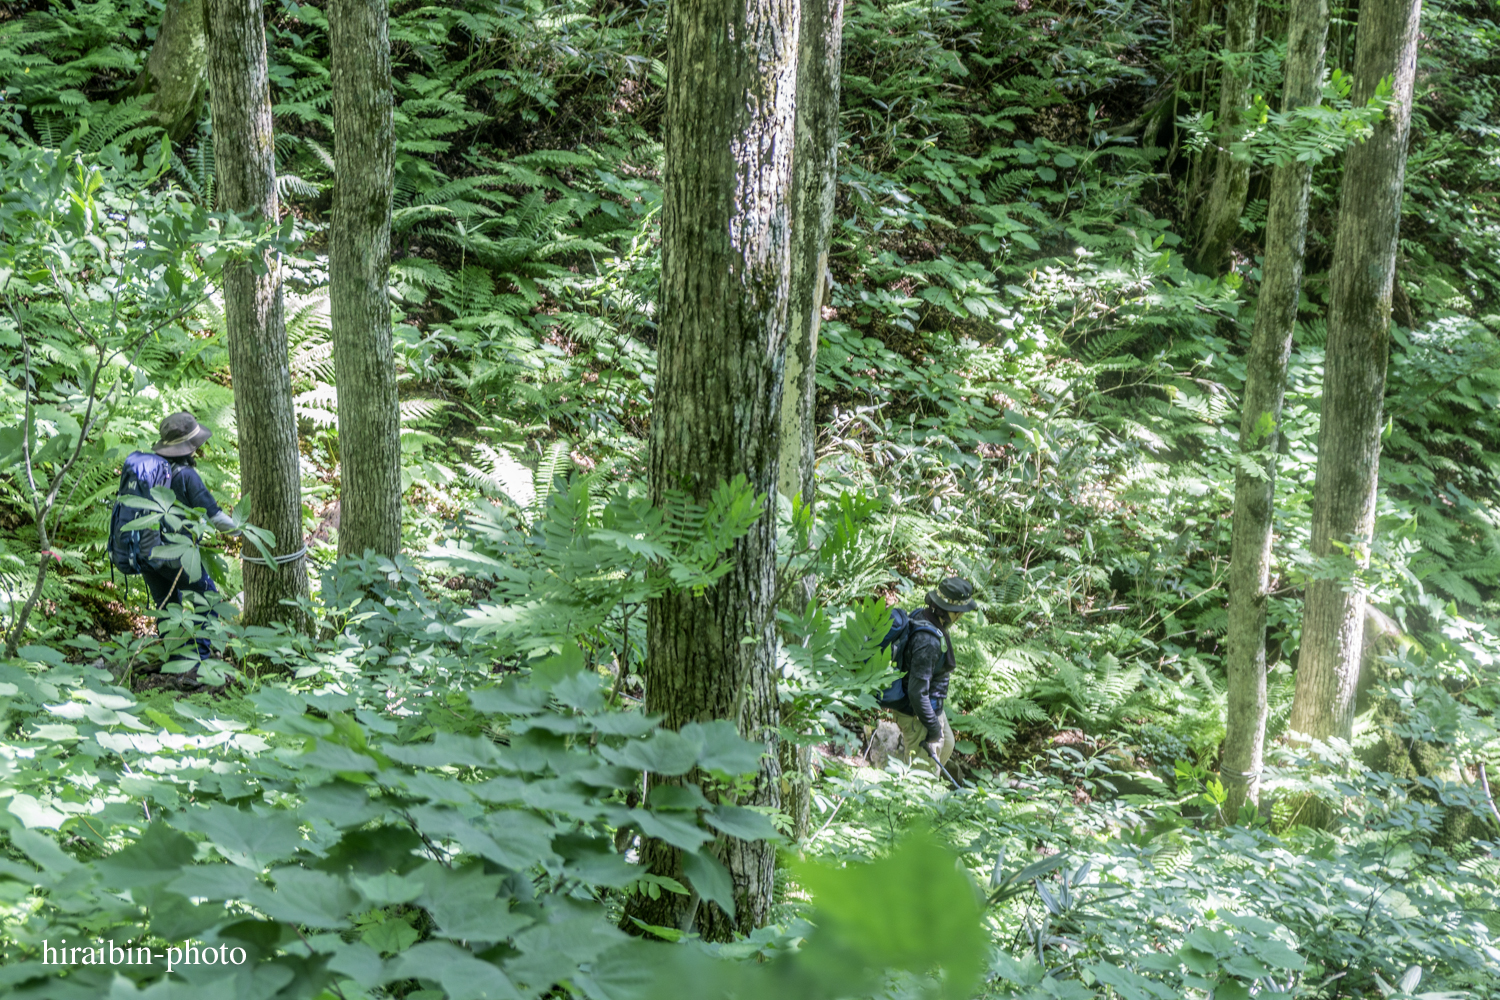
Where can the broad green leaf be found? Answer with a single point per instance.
(720, 747)
(336, 758)
(677, 797)
(1229, 989)
(519, 844)
(670, 827)
(1278, 954)
(709, 876)
(313, 898)
(461, 975)
(746, 824)
(1215, 942)
(35, 814)
(1131, 985)
(552, 949)
(511, 698)
(468, 904)
(390, 936)
(158, 856)
(928, 914)
(43, 850)
(388, 888)
(341, 803)
(360, 963)
(665, 753)
(447, 750)
(249, 839)
(213, 882)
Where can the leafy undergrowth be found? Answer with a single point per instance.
(437, 798)
(1019, 379)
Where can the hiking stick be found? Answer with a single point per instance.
(170, 590)
(940, 767)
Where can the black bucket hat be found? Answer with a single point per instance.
(181, 435)
(953, 594)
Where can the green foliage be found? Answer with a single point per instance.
(582, 569)
(1304, 134)
(395, 819)
(1126, 897)
(394, 823)
(101, 275)
(62, 63)
(1019, 380)
(931, 919)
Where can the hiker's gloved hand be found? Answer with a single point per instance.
(934, 749)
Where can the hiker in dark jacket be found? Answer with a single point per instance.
(180, 438)
(925, 733)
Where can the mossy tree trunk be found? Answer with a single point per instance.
(1219, 222)
(359, 264)
(177, 68)
(726, 260)
(1260, 421)
(1364, 266)
(245, 166)
(814, 188)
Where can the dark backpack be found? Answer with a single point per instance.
(898, 641)
(129, 551)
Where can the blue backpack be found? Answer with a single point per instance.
(130, 550)
(898, 641)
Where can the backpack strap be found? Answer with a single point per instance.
(912, 627)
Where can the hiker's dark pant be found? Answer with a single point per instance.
(159, 581)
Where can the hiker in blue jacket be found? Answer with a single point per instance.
(925, 733)
(180, 438)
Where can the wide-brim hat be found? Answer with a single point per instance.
(181, 435)
(953, 594)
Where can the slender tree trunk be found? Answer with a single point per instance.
(18, 624)
(177, 68)
(245, 165)
(1260, 421)
(359, 264)
(726, 257)
(1364, 267)
(1220, 221)
(814, 188)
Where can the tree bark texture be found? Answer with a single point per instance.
(1226, 198)
(245, 166)
(1364, 266)
(177, 68)
(726, 257)
(814, 188)
(359, 265)
(1260, 421)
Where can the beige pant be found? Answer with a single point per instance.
(914, 734)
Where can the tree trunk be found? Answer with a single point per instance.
(1364, 266)
(358, 266)
(1220, 221)
(726, 257)
(814, 188)
(1260, 421)
(177, 67)
(245, 165)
